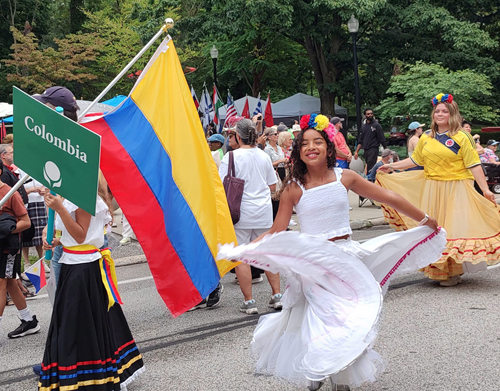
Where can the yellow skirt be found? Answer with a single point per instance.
(471, 221)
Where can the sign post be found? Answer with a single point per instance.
(59, 153)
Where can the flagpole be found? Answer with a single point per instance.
(169, 23)
(14, 189)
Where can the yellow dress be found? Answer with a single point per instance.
(445, 191)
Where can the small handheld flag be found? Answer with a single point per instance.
(36, 274)
(258, 108)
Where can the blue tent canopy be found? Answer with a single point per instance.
(115, 101)
(8, 120)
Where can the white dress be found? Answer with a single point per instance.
(334, 290)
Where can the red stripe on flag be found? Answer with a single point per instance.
(43, 281)
(144, 213)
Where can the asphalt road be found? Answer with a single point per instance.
(431, 338)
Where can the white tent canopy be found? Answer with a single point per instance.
(294, 106)
(6, 110)
(301, 104)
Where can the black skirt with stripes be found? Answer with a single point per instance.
(88, 347)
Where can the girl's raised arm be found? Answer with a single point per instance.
(365, 188)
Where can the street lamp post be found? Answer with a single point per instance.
(353, 26)
(214, 53)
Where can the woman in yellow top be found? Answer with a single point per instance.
(445, 190)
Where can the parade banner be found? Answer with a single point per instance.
(61, 154)
(159, 168)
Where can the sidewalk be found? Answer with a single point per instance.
(360, 217)
(365, 216)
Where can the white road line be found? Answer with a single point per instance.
(119, 283)
(134, 280)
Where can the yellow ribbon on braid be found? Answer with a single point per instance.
(106, 267)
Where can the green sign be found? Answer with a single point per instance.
(56, 151)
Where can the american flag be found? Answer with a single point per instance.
(231, 108)
(258, 109)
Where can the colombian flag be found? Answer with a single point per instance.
(160, 170)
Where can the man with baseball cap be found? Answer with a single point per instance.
(343, 153)
(386, 159)
(60, 96)
(489, 155)
(215, 142)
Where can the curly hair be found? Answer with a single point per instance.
(297, 169)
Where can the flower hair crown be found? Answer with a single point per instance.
(318, 122)
(442, 98)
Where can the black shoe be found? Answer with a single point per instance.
(37, 369)
(201, 304)
(215, 297)
(25, 328)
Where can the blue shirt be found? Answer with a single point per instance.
(373, 172)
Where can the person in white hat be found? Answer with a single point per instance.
(415, 130)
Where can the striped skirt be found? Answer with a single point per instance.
(88, 347)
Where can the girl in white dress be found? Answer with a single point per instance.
(334, 285)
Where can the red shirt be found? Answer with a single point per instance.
(14, 205)
(340, 143)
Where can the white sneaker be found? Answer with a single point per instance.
(125, 241)
(455, 280)
(292, 223)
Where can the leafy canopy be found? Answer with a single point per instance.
(411, 92)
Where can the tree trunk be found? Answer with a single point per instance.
(326, 71)
(257, 82)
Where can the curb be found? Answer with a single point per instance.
(361, 224)
(355, 225)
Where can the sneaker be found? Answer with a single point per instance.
(276, 301)
(255, 280)
(201, 304)
(292, 223)
(249, 307)
(25, 328)
(125, 241)
(37, 369)
(215, 297)
(452, 281)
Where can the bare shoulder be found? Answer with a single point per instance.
(292, 193)
(349, 177)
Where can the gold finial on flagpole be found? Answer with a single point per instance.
(169, 23)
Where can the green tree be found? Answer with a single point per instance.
(35, 69)
(411, 92)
